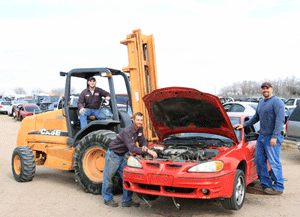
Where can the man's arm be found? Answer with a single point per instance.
(252, 121)
(81, 101)
(279, 118)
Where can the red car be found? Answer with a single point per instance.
(200, 155)
(21, 111)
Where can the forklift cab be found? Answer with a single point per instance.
(115, 120)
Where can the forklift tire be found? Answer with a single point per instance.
(89, 161)
(23, 164)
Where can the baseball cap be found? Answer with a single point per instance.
(92, 78)
(266, 84)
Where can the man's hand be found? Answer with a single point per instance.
(273, 142)
(144, 148)
(153, 153)
(107, 98)
(81, 110)
(238, 126)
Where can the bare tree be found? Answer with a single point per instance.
(19, 90)
(58, 91)
(37, 91)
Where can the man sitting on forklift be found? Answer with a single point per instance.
(89, 102)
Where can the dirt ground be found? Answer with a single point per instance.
(55, 193)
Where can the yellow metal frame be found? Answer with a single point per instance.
(143, 76)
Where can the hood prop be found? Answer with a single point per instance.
(176, 204)
(147, 202)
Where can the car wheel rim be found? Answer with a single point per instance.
(17, 165)
(240, 190)
(93, 164)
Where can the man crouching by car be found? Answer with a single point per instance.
(115, 159)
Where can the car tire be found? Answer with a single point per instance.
(89, 161)
(236, 201)
(23, 164)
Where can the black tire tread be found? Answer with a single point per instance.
(101, 138)
(28, 165)
(229, 203)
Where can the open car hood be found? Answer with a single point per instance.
(183, 110)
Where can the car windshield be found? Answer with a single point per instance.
(234, 121)
(290, 102)
(5, 103)
(31, 108)
(254, 106)
(122, 99)
(30, 101)
(20, 102)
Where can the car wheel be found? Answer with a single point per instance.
(23, 164)
(236, 201)
(89, 161)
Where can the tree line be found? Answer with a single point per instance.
(286, 88)
(54, 91)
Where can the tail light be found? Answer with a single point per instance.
(1, 106)
(286, 126)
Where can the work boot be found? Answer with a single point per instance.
(131, 204)
(272, 191)
(111, 203)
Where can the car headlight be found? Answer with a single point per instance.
(133, 162)
(211, 166)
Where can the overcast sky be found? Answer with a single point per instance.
(203, 44)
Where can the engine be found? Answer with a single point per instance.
(185, 153)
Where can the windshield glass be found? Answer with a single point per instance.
(254, 106)
(5, 103)
(234, 121)
(31, 108)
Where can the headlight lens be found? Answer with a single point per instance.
(133, 162)
(211, 166)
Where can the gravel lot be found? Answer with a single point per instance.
(55, 193)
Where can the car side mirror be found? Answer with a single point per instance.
(251, 136)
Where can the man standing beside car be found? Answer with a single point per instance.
(116, 161)
(270, 113)
(89, 101)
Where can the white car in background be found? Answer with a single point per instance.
(4, 106)
(246, 107)
(242, 107)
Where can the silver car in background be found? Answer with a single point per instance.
(293, 126)
(4, 106)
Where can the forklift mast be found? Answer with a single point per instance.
(143, 76)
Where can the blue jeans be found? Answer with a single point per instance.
(265, 151)
(88, 112)
(114, 163)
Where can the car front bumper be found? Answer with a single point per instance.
(184, 185)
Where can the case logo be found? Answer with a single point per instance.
(50, 133)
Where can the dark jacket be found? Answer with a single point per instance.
(126, 140)
(89, 100)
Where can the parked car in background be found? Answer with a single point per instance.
(293, 126)
(24, 110)
(246, 107)
(11, 107)
(200, 155)
(292, 103)
(52, 106)
(44, 106)
(4, 106)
